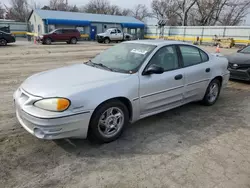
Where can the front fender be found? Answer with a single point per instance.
(93, 97)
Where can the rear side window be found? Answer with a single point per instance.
(204, 56)
(119, 31)
(191, 55)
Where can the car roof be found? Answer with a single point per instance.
(157, 42)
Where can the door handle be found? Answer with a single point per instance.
(178, 77)
(207, 69)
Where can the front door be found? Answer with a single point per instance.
(160, 92)
(113, 35)
(198, 72)
(92, 32)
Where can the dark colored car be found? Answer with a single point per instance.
(71, 36)
(6, 38)
(239, 64)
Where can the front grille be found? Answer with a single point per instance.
(239, 66)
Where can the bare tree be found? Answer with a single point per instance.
(97, 7)
(209, 11)
(166, 9)
(235, 12)
(184, 7)
(114, 10)
(18, 10)
(141, 12)
(73, 8)
(126, 12)
(2, 11)
(57, 5)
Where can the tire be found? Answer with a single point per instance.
(3, 42)
(103, 127)
(47, 41)
(73, 40)
(106, 40)
(210, 98)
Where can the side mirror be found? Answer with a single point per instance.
(239, 50)
(153, 69)
(55, 33)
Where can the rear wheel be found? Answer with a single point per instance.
(73, 41)
(3, 42)
(108, 122)
(212, 93)
(48, 41)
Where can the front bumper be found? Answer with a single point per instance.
(100, 39)
(240, 74)
(70, 126)
(12, 40)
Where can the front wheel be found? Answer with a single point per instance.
(48, 41)
(106, 40)
(108, 122)
(3, 42)
(212, 93)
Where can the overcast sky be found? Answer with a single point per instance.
(121, 3)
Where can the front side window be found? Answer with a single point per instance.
(119, 31)
(191, 55)
(124, 57)
(166, 58)
(59, 31)
(113, 32)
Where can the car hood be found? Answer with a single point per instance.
(53, 82)
(239, 58)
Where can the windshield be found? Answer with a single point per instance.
(52, 31)
(124, 57)
(245, 50)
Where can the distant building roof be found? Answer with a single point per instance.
(62, 16)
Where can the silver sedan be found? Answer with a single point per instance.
(129, 81)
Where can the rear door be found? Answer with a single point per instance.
(66, 34)
(197, 70)
(119, 34)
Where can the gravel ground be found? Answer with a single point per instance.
(190, 146)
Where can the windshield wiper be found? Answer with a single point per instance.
(104, 66)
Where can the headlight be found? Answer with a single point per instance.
(53, 104)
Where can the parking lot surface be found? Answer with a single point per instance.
(191, 146)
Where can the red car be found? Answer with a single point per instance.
(71, 36)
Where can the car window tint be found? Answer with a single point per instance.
(204, 56)
(166, 58)
(59, 31)
(119, 31)
(113, 31)
(190, 55)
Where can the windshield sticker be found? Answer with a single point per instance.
(143, 52)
